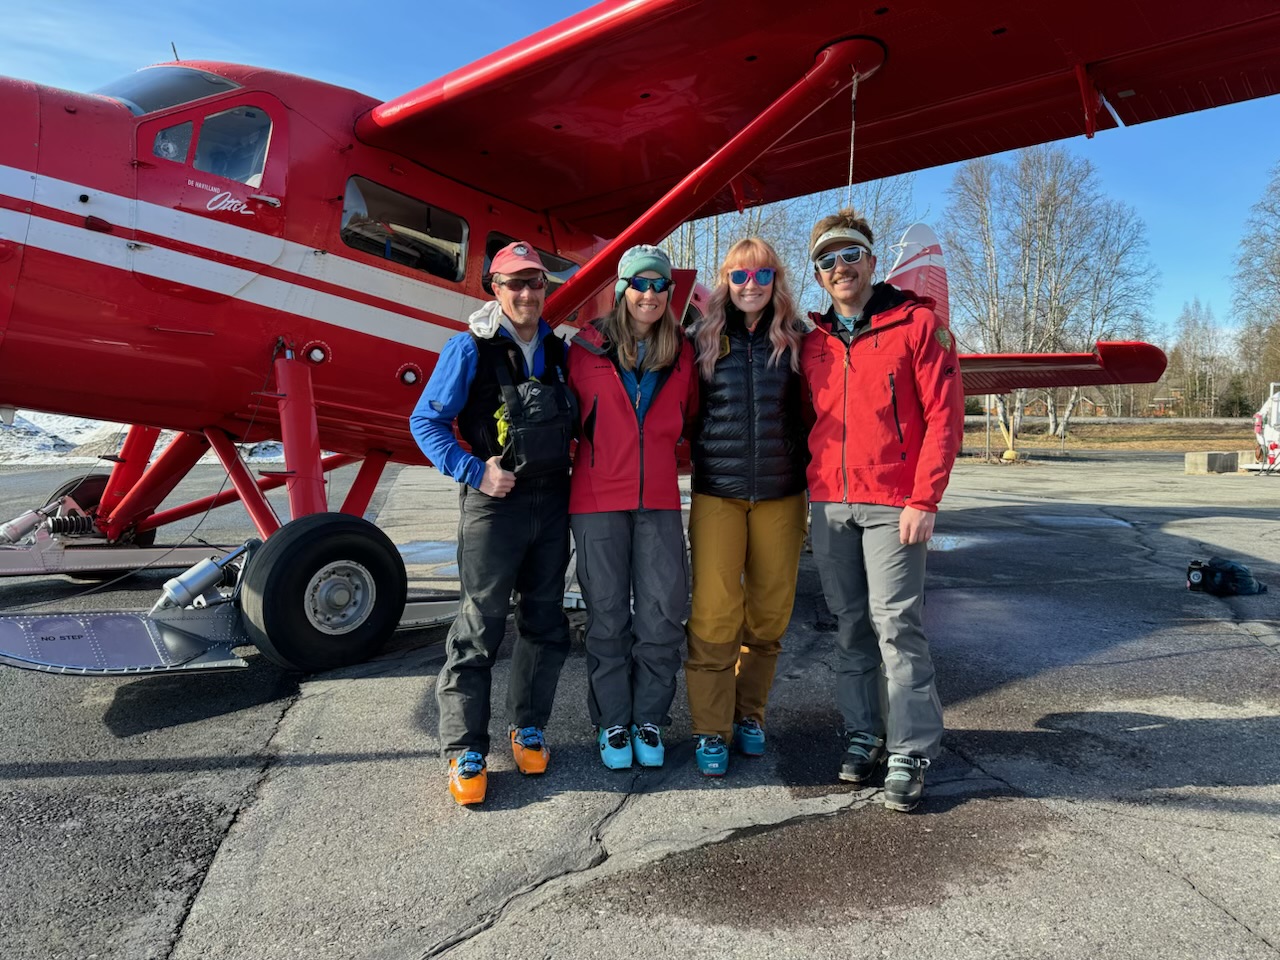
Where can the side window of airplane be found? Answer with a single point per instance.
(381, 222)
(233, 144)
(558, 268)
(173, 143)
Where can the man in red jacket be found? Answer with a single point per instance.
(889, 408)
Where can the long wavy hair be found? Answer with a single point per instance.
(664, 340)
(786, 327)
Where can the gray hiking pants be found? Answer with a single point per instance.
(632, 660)
(874, 585)
(518, 543)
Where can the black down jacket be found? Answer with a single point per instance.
(750, 440)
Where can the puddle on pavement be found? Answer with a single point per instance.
(429, 551)
(947, 542)
(835, 870)
(440, 556)
(1056, 520)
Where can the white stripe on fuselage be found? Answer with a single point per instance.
(247, 285)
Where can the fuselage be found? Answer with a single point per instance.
(160, 243)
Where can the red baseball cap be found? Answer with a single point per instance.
(514, 257)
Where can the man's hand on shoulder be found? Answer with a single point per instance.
(915, 526)
(496, 481)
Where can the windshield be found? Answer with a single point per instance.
(157, 88)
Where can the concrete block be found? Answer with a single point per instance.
(1198, 463)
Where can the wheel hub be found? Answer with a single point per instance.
(340, 597)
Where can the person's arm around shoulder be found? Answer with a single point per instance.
(936, 367)
(432, 421)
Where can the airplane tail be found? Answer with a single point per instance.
(920, 267)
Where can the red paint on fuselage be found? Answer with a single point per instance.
(140, 289)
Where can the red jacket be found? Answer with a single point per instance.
(889, 408)
(619, 465)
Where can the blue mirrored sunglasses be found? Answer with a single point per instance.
(645, 284)
(848, 255)
(762, 276)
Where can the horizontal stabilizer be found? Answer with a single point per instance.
(1111, 362)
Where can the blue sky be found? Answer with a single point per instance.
(1192, 179)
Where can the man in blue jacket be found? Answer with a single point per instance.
(513, 535)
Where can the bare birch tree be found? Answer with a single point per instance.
(1040, 261)
(1256, 300)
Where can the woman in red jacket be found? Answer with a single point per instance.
(633, 373)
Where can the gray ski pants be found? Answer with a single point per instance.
(632, 659)
(874, 585)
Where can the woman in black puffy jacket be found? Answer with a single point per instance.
(747, 520)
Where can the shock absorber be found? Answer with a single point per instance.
(74, 525)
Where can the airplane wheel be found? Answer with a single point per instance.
(325, 590)
(87, 491)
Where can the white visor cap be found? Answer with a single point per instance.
(840, 233)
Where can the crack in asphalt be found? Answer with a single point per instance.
(1085, 828)
(491, 919)
(985, 772)
(494, 916)
(249, 797)
(1221, 907)
(1127, 815)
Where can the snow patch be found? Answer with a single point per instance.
(38, 438)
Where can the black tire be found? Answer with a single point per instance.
(286, 598)
(87, 491)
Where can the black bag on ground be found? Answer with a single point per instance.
(1222, 578)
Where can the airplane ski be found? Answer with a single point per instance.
(186, 640)
(118, 643)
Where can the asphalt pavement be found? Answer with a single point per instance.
(1109, 784)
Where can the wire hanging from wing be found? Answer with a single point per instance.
(853, 125)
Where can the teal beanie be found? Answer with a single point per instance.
(637, 260)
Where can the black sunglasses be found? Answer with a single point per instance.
(827, 261)
(515, 284)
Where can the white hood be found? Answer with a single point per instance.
(484, 322)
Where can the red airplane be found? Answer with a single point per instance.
(238, 254)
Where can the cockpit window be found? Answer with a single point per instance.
(233, 144)
(172, 143)
(158, 88)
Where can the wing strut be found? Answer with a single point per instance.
(833, 71)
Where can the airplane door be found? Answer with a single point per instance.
(211, 196)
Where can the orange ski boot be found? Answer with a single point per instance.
(529, 747)
(468, 778)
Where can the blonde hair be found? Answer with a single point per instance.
(664, 340)
(786, 328)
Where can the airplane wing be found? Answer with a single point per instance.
(594, 118)
(921, 268)
(1111, 362)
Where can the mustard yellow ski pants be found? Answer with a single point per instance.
(745, 557)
